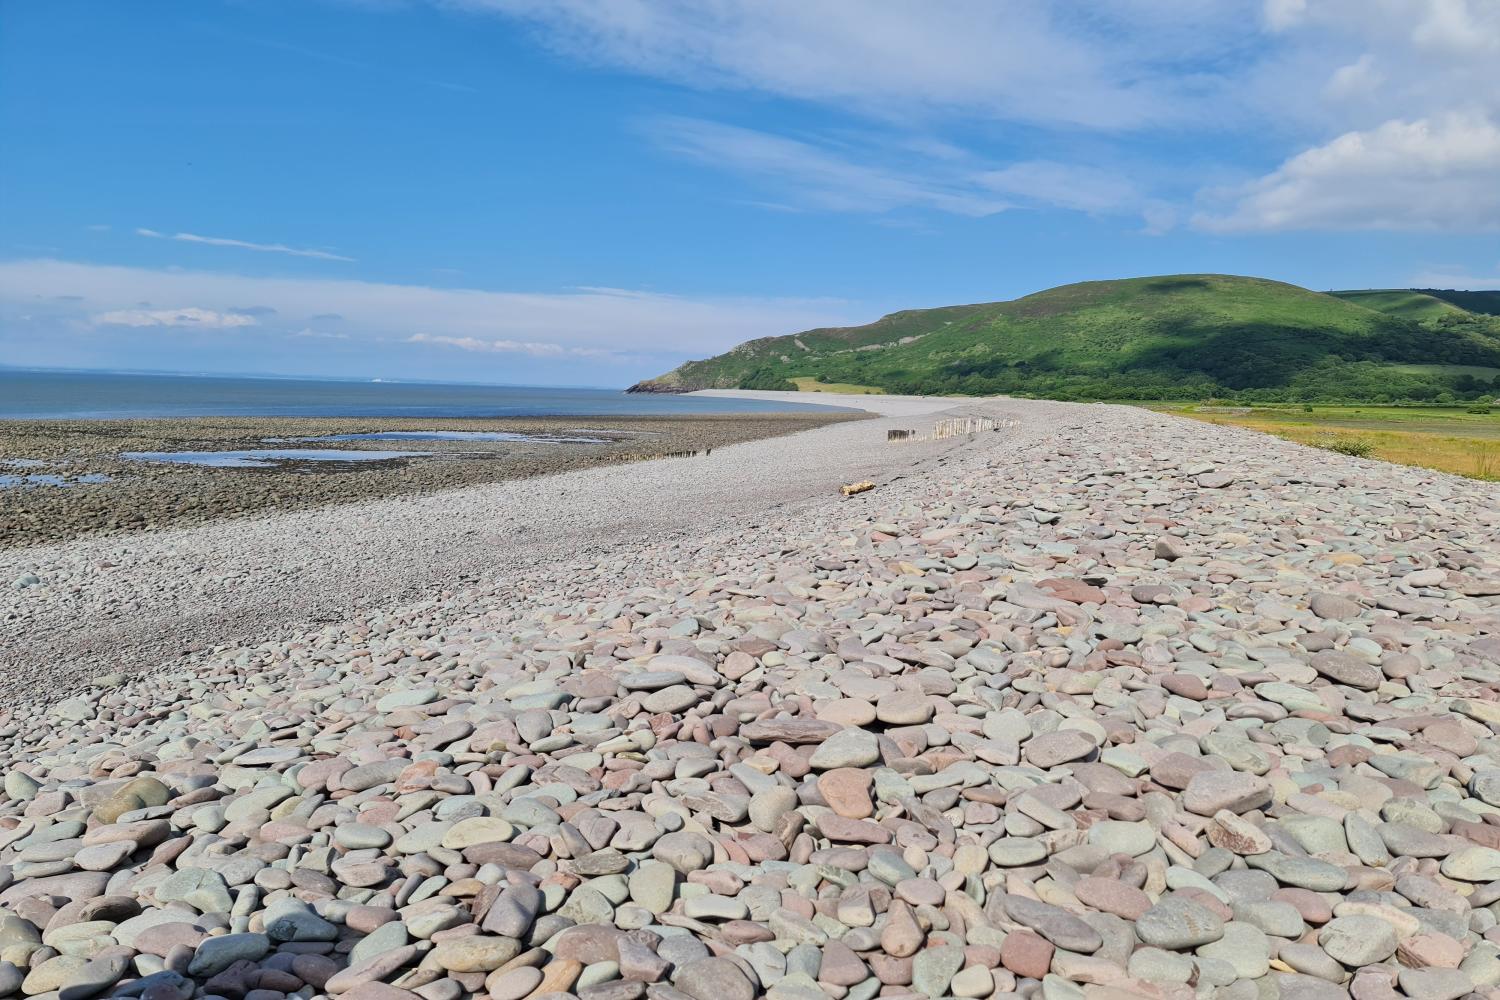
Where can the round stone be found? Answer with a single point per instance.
(1175, 923)
(1358, 940)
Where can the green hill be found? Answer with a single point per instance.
(1408, 303)
(1486, 303)
(1174, 337)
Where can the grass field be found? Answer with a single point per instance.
(1449, 439)
(846, 388)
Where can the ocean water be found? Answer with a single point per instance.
(106, 395)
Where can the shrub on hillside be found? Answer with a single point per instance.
(766, 378)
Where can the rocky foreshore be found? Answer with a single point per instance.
(103, 493)
(1113, 706)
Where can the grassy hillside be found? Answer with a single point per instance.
(1408, 303)
(1173, 337)
(1486, 303)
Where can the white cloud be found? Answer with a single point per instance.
(1159, 217)
(1392, 104)
(819, 176)
(1109, 66)
(220, 241)
(1429, 174)
(1373, 61)
(584, 320)
(191, 316)
(1353, 81)
(860, 173)
(1458, 26)
(1283, 14)
(1084, 189)
(533, 349)
(1294, 74)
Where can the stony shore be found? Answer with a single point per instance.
(141, 496)
(137, 600)
(1109, 705)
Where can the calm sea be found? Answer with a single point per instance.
(102, 395)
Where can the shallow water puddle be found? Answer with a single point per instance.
(51, 479)
(267, 458)
(453, 436)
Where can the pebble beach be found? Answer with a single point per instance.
(104, 488)
(1106, 704)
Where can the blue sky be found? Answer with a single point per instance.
(591, 191)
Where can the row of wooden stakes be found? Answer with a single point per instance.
(953, 427)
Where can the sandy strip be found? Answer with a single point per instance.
(134, 603)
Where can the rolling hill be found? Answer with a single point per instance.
(1485, 303)
(1408, 303)
(1186, 336)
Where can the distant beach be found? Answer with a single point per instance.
(85, 453)
(62, 479)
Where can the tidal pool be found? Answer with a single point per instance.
(267, 458)
(453, 436)
(51, 479)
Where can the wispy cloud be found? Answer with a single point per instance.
(1107, 66)
(533, 349)
(579, 323)
(1065, 185)
(843, 174)
(817, 174)
(1125, 66)
(191, 317)
(1298, 76)
(220, 241)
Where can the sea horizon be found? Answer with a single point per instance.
(99, 394)
(289, 377)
